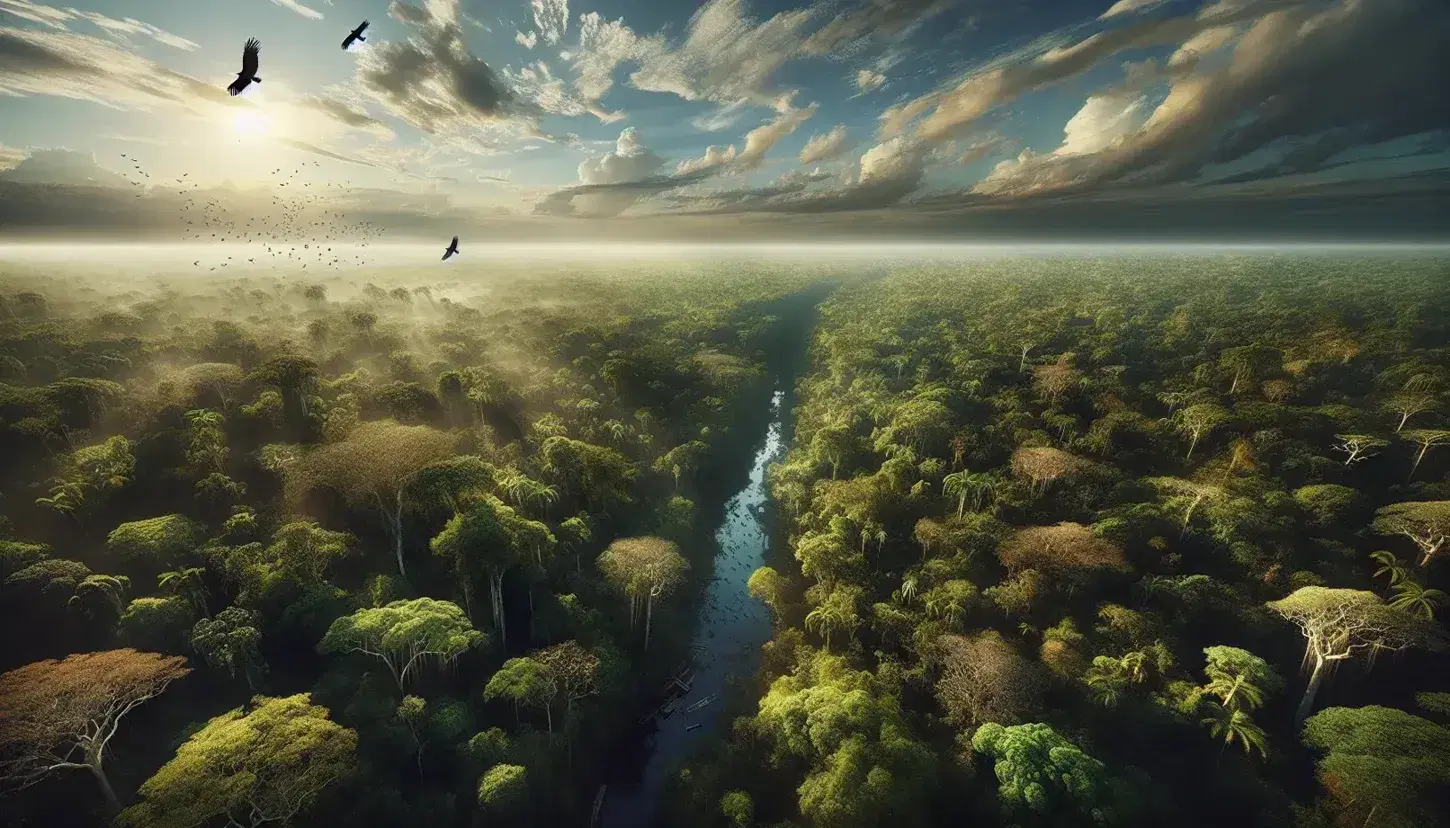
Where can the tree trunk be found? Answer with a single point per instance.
(1307, 703)
(531, 613)
(1192, 446)
(549, 717)
(648, 616)
(113, 805)
(397, 519)
(1418, 457)
(495, 588)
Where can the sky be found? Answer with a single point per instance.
(740, 118)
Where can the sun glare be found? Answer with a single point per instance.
(250, 123)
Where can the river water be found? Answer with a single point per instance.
(731, 628)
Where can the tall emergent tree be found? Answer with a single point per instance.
(374, 465)
(1425, 522)
(643, 568)
(487, 537)
(63, 714)
(404, 635)
(1196, 421)
(248, 769)
(1339, 623)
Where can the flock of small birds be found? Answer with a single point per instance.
(305, 227)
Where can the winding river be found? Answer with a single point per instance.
(731, 629)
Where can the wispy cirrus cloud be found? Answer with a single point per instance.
(306, 11)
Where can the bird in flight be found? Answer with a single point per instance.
(356, 36)
(452, 249)
(248, 75)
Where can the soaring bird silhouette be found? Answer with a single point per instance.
(356, 36)
(248, 75)
(452, 249)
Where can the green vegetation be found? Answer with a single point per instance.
(1121, 542)
(1054, 539)
(424, 554)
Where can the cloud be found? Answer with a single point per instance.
(551, 18)
(120, 29)
(1309, 82)
(307, 146)
(537, 84)
(36, 13)
(343, 113)
(615, 181)
(61, 166)
(788, 119)
(10, 156)
(293, 5)
(744, 199)
(68, 65)
(1053, 59)
(1103, 121)
(528, 41)
(757, 142)
(888, 173)
(722, 118)
(868, 81)
(873, 18)
(725, 56)
(1126, 7)
(631, 160)
(714, 156)
(55, 18)
(434, 83)
(825, 146)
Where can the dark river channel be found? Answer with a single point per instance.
(730, 630)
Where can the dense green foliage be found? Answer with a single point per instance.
(1057, 542)
(1056, 536)
(377, 512)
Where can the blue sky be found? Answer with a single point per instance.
(605, 108)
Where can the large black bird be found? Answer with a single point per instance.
(356, 36)
(248, 75)
(452, 249)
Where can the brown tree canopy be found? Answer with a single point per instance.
(1066, 545)
(61, 714)
(984, 679)
(374, 463)
(1043, 464)
(1056, 378)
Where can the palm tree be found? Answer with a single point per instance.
(963, 484)
(1236, 725)
(1234, 691)
(1106, 681)
(1390, 567)
(1411, 596)
(835, 614)
(907, 592)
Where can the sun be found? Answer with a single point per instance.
(250, 123)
